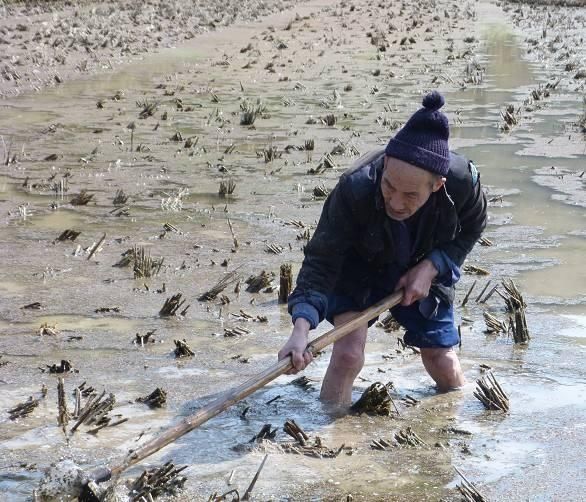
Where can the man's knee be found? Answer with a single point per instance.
(444, 367)
(348, 358)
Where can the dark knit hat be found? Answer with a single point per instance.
(423, 140)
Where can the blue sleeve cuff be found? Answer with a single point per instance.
(448, 272)
(307, 312)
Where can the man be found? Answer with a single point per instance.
(403, 218)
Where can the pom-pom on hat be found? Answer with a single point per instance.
(423, 140)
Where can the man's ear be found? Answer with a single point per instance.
(438, 182)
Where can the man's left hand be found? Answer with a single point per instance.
(416, 282)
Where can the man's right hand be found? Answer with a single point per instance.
(295, 347)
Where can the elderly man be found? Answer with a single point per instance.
(405, 217)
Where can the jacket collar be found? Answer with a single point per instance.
(379, 165)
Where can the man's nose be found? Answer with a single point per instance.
(397, 205)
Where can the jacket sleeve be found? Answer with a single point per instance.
(448, 273)
(323, 256)
(471, 205)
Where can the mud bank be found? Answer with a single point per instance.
(48, 43)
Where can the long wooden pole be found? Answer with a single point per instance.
(253, 384)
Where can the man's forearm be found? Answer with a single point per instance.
(431, 267)
(301, 309)
(302, 326)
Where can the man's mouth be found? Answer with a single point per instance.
(399, 214)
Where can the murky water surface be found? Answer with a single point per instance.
(537, 228)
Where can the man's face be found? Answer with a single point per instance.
(406, 188)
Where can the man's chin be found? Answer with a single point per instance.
(397, 216)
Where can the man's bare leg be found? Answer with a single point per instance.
(444, 367)
(345, 364)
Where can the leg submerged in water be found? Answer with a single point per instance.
(430, 326)
(345, 364)
(444, 367)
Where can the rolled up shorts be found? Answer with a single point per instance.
(428, 323)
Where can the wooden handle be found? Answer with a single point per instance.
(253, 384)
(335, 334)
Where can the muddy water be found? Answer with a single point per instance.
(538, 240)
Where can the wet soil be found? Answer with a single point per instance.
(317, 59)
(48, 43)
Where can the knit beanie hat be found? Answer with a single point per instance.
(423, 140)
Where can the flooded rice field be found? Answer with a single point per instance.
(207, 155)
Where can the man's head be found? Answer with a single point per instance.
(417, 159)
(406, 188)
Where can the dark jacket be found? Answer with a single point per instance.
(352, 247)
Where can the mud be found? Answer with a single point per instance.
(49, 43)
(303, 64)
